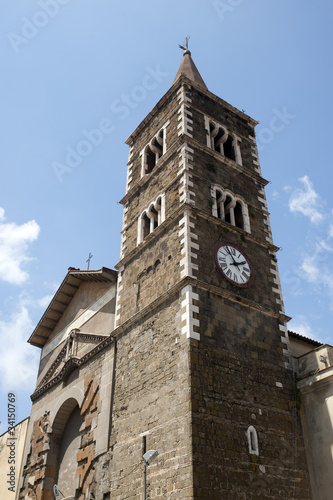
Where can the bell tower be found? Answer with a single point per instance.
(183, 351)
(203, 363)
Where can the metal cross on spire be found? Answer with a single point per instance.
(185, 49)
(89, 259)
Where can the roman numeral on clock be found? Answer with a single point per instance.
(233, 264)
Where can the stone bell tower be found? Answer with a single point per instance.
(184, 349)
(205, 365)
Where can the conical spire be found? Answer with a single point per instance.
(189, 69)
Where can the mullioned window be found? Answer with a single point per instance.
(151, 217)
(222, 141)
(153, 151)
(230, 207)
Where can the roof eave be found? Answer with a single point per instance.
(58, 307)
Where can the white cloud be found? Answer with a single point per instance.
(309, 267)
(323, 246)
(315, 265)
(14, 242)
(19, 360)
(301, 326)
(317, 269)
(330, 231)
(306, 201)
(318, 273)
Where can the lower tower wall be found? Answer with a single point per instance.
(247, 436)
(152, 404)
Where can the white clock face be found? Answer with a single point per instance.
(233, 264)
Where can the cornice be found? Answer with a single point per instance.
(235, 229)
(184, 139)
(72, 362)
(196, 212)
(147, 177)
(124, 327)
(251, 304)
(160, 229)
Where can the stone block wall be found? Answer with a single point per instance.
(152, 399)
(165, 111)
(222, 113)
(263, 290)
(197, 368)
(239, 380)
(88, 388)
(153, 271)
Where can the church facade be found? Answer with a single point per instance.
(184, 349)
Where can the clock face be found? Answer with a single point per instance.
(233, 263)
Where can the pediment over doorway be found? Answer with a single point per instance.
(77, 347)
(79, 318)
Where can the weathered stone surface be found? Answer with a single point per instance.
(193, 360)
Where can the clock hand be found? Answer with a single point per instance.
(231, 255)
(238, 263)
(234, 263)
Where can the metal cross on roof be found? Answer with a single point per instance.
(89, 259)
(185, 49)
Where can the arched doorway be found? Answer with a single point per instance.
(70, 444)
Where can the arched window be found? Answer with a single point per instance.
(219, 204)
(153, 152)
(221, 140)
(145, 221)
(157, 265)
(218, 135)
(252, 439)
(230, 208)
(150, 159)
(238, 213)
(229, 150)
(151, 218)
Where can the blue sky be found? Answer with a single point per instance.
(70, 67)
